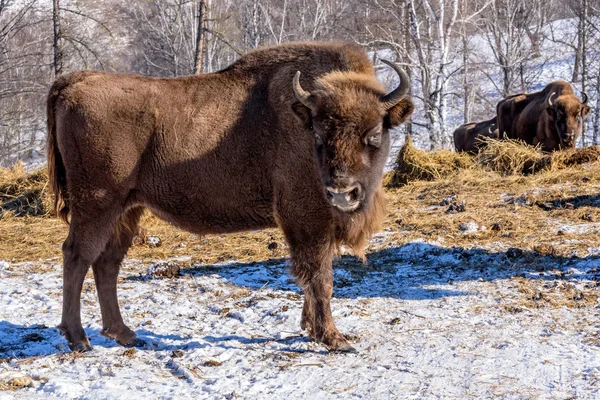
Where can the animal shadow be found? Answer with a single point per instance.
(571, 202)
(412, 271)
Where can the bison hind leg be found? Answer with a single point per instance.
(106, 271)
(88, 234)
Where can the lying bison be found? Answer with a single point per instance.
(468, 137)
(552, 118)
(294, 136)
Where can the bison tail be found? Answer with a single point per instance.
(57, 175)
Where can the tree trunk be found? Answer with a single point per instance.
(56, 42)
(200, 37)
(578, 50)
(596, 130)
(584, 64)
(467, 88)
(534, 39)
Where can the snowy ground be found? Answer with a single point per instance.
(428, 321)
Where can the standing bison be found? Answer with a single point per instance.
(552, 118)
(294, 136)
(468, 137)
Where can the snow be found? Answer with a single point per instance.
(428, 321)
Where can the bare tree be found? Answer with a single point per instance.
(504, 28)
(252, 27)
(201, 28)
(537, 13)
(432, 26)
(56, 38)
(165, 39)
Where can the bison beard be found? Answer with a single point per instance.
(286, 136)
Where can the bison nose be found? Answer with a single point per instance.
(569, 137)
(345, 198)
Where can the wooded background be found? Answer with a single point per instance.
(463, 56)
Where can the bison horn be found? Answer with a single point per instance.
(550, 104)
(584, 98)
(302, 95)
(394, 97)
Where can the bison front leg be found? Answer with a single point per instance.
(312, 266)
(309, 231)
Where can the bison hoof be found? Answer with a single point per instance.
(336, 343)
(122, 335)
(343, 348)
(76, 338)
(80, 347)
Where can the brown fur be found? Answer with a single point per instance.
(529, 118)
(506, 110)
(467, 137)
(216, 153)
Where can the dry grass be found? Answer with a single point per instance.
(29, 232)
(506, 157)
(15, 382)
(537, 293)
(413, 164)
(31, 238)
(23, 193)
(513, 157)
(510, 157)
(517, 210)
(572, 157)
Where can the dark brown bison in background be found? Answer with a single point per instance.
(552, 117)
(506, 112)
(294, 136)
(467, 137)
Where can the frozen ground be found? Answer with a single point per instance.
(428, 321)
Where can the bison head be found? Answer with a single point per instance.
(567, 113)
(350, 115)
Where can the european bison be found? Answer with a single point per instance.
(294, 136)
(507, 110)
(467, 137)
(552, 117)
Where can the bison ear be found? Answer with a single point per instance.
(551, 111)
(399, 113)
(585, 110)
(303, 114)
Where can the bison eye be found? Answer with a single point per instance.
(374, 140)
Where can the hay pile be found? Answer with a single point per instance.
(505, 157)
(24, 194)
(414, 164)
(569, 158)
(511, 157)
